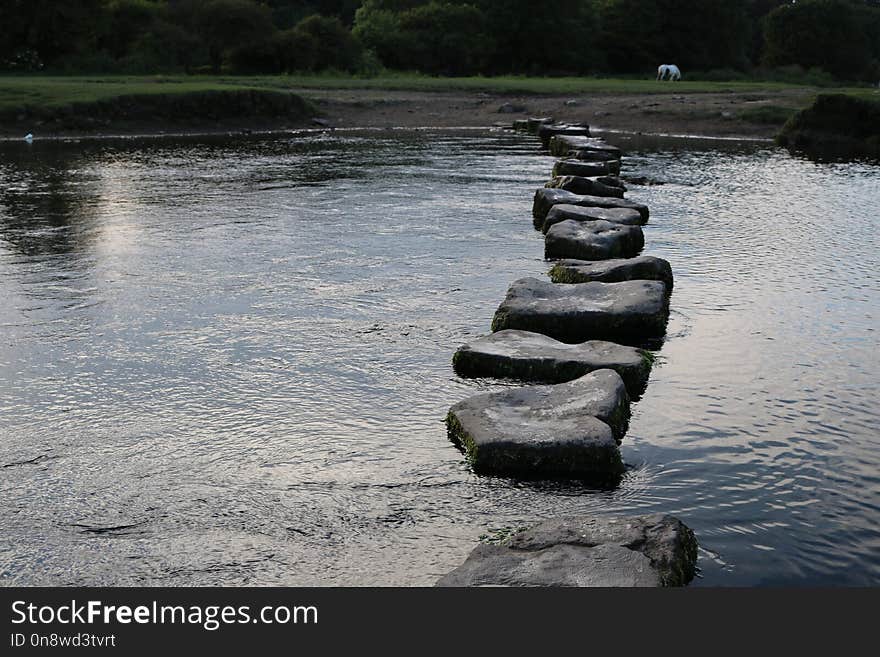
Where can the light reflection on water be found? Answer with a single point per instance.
(228, 362)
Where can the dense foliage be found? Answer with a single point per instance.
(839, 37)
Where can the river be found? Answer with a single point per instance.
(226, 361)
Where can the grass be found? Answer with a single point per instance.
(767, 114)
(49, 91)
(58, 91)
(519, 85)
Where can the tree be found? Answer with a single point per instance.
(827, 34)
(445, 38)
(630, 35)
(50, 29)
(336, 47)
(224, 25)
(695, 34)
(287, 13)
(126, 22)
(546, 39)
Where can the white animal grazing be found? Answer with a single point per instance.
(668, 72)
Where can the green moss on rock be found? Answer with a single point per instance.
(835, 126)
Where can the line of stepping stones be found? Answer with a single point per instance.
(583, 336)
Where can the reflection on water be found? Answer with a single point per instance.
(228, 362)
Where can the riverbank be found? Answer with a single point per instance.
(76, 106)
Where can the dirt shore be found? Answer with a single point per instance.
(708, 114)
(704, 114)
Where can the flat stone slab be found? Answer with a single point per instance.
(529, 356)
(643, 267)
(629, 312)
(611, 181)
(591, 156)
(521, 125)
(533, 123)
(562, 144)
(585, 186)
(563, 212)
(592, 240)
(585, 551)
(547, 197)
(586, 169)
(547, 131)
(569, 430)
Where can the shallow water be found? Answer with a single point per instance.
(228, 361)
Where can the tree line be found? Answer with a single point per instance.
(840, 38)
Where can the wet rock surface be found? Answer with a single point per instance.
(563, 212)
(572, 167)
(629, 312)
(592, 240)
(535, 357)
(547, 197)
(564, 143)
(534, 123)
(611, 181)
(547, 131)
(586, 186)
(569, 430)
(613, 271)
(585, 551)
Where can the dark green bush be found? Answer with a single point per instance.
(335, 47)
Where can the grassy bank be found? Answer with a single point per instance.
(88, 104)
(98, 104)
(835, 126)
(54, 91)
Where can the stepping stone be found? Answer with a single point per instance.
(569, 430)
(548, 130)
(611, 181)
(547, 197)
(590, 156)
(536, 122)
(592, 240)
(563, 212)
(586, 169)
(644, 180)
(613, 271)
(585, 186)
(521, 125)
(564, 143)
(629, 312)
(584, 551)
(534, 357)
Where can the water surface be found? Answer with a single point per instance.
(227, 361)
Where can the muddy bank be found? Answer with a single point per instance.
(710, 114)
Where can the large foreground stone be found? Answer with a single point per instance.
(563, 212)
(613, 271)
(547, 197)
(570, 430)
(548, 130)
(534, 357)
(592, 240)
(563, 144)
(629, 312)
(653, 550)
(586, 169)
(585, 186)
